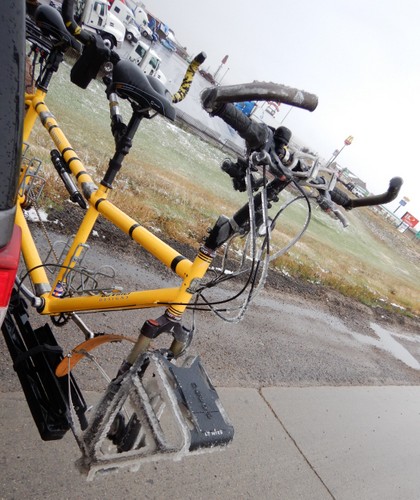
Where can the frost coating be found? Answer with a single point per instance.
(167, 422)
(299, 97)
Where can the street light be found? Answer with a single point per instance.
(224, 61)
(347, 142)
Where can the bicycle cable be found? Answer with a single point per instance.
(255, 256)
(222, 277)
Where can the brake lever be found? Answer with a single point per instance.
(340, 216)
(327, 205)
(260, 158)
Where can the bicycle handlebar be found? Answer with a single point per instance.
(188, 78)
(217, 102)
(258, 91)
(256, 135)
(67, 12)
(342, 199)
(394, 187)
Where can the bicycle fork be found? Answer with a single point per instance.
(170, 321)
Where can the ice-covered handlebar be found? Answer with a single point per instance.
(258, 91)
(217, 101)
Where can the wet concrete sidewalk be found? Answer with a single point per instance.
(314, 443)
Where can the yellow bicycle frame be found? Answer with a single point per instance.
(176, 299)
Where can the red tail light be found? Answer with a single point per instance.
(9, 262)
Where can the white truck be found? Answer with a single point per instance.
(146, 59)
(94, 15)
(140, 17)
(142, 22)
(125, 15)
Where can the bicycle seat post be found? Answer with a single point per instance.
(53, 62)
(123, 135)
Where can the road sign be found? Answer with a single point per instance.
(409, 219)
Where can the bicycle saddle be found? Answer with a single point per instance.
(51, 24)
(129, 82)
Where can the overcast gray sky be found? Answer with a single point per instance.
(361, 57)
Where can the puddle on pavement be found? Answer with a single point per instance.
(388, 343)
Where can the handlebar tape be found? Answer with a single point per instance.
(394, 188)
(188, 78)
(67, 12)
(258, 91)
(217, 101)
(343, 200)
(255, 134)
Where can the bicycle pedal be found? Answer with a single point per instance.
(207, 419)
(154, 411)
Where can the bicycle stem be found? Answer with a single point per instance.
(225, 228)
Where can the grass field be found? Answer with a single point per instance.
(172, 181)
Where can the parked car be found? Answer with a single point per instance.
(168, 44)
(12, 78)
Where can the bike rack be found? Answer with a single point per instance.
(35, 355)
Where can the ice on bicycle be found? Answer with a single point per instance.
(158, 402)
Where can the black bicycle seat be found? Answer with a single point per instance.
(51, 24)
(129, 82)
